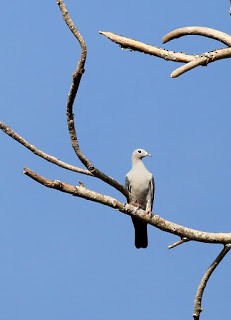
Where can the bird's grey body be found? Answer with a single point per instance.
(140, 184)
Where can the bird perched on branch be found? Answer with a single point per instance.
(140, 183)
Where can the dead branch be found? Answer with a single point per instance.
(177, 243)
(191, 61)
(198, 31)
(203, 61)
(197, 302)
(70, 102)
(155, 220)
(78, 191)
(41, 153)
(189, 66)
(134, 45)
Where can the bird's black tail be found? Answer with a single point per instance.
(141, 233)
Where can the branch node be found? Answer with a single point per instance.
(179, 242)
(57, 184)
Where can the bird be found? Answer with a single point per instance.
(141, 186)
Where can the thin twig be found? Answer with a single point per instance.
(129, 209)
(197, 302)
(199, 31)
(70, 102)
(11, 133)
(177, 243)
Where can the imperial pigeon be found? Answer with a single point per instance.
(140, 183)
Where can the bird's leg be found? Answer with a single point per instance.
(149, 208)
(136, 203)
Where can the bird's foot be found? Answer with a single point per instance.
(150, 213)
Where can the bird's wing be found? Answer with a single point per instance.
(128, 187)
(127, 183)
(151, 192)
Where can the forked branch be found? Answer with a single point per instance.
(191, 61)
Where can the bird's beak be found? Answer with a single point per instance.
(149, 154)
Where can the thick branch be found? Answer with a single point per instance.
(70, 102)
(155, 220)
(205, 279)
(40, 153)
(199, 31)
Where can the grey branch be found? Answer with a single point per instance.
(198, 299)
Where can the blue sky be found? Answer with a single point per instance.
(66, 258)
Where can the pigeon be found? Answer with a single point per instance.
(140, 184)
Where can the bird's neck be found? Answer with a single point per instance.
(138, 163)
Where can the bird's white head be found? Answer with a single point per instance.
(139, 154)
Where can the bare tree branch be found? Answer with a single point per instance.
(79, 191)
(203, 61)
(76, 78)
(191, 60)
(40, 153)
(134, 45)
(199, 31)
(129, 209)
(197, 302)
(70, 102)
(177, 243)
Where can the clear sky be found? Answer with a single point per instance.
(66, 258)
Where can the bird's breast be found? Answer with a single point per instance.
(139, 189)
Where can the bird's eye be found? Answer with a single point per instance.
(139, 151)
